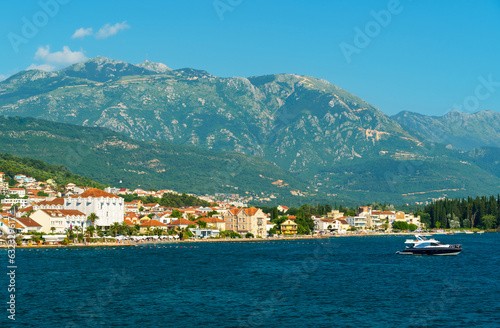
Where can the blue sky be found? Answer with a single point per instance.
(424, 56)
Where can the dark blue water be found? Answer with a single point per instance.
(341, 282)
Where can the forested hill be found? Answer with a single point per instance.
(12, 165)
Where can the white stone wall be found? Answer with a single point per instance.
(108, 210)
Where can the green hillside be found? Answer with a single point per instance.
(109, 157)
(12, 165)
(190, 130)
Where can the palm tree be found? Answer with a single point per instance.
(115, 227)
(90, 230)
(92, 218)
(69, 232)
(124, 228)
(78, 229)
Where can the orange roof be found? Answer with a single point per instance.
(95, 193)
(128, 222)
(152, 223)
(26, 209)
(387, 212)
(251, 211)
(292, 217)
(182, 222)
(234, 210)
(210, 220)
(57, 201)
(8, 223)
(29, 222)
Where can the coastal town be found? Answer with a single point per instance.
(40, 212)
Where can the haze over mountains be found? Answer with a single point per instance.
(461, 130)
(322, 135)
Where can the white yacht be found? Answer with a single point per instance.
(424, 246)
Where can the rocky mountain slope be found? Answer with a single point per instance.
(296, 121)
(333, 141)
(460, 130)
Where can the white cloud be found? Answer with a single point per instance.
(59, 58)
(109, 30)
(82, 32)
(42, 67)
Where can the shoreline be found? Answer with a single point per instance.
(237, 240)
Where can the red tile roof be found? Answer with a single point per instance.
(182, 222)
(128, 222)
(95, 193)
(57, 201)
(152, 223)
(210, 220)
(251, 211)
(25, 210)
(9, 223)
(28, 222)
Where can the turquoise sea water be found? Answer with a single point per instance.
(341, 282)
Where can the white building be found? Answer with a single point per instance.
(109, 208)
(356, 221)
(22, 202)
(60, 220)
(21, 192)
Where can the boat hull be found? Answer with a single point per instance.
(431, 251)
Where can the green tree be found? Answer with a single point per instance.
(400, 225)
(176, 214)
(249, 235)
(115, 227)
(488, 221)
(412, 227)
(92, 218)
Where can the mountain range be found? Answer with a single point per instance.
(314, 134)
(462, 131)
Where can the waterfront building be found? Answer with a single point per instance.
(358, 222)
(109, 208)
(289, 227)
(247, 220)
(60, 220)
